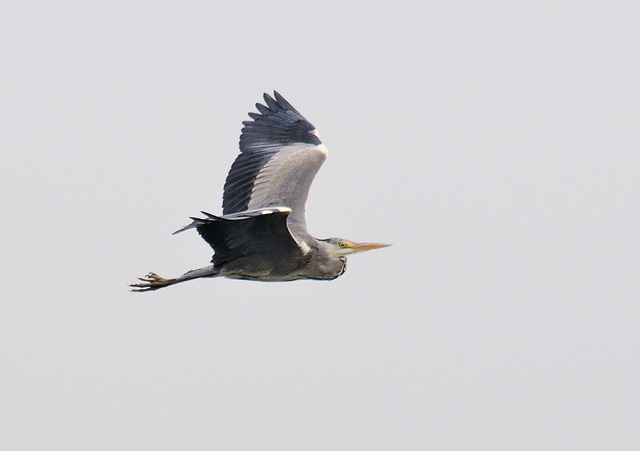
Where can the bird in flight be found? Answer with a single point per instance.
(262, 232)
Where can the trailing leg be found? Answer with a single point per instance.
(152, 281)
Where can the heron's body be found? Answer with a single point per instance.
(262, 233)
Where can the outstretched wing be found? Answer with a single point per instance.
(261, 235)
(280, 154)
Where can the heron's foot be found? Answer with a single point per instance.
(151, 282)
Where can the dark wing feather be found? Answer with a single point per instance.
(278, 160)
(278, 124)
(262, 235)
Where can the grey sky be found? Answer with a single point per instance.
(494, 144)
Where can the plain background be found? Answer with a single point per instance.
(495, 144)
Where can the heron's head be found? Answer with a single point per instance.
(340, 247)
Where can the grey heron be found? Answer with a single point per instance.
(262, 232)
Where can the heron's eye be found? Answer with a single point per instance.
(343, 245)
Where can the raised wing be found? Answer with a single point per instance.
(280, 154)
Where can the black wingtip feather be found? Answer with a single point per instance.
(278, 123)
(282, 101)
(272, 104)
(264, 111)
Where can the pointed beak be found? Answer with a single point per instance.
(361, 247)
